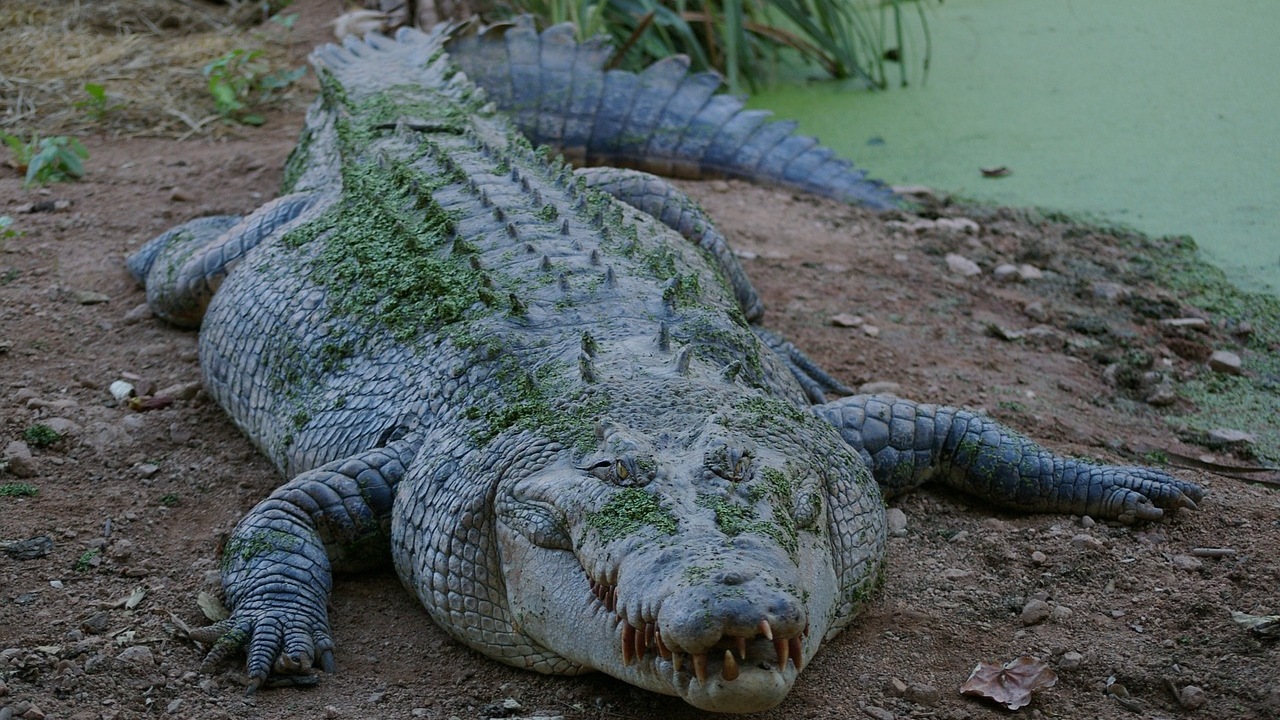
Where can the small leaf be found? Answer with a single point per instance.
(135, 598)
(211, 607)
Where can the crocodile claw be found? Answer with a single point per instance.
(281, 650)
(1132, 494)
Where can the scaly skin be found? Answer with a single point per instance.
(546, 408)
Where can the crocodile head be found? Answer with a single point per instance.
(706, 556)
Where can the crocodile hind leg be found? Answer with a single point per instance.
(907, 443)
(183, 267)
(277, 566)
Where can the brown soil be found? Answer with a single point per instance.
(141, 499)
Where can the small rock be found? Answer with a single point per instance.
(1029, 272)
(961, 265)
(180, 195)
(179, 434)
(137, 655)
(140, 312)
(959, 537)
(1187, 562)
(121, 550)
(845, 320)
(1060, 613)
(17, 456)
(33, 713)
(1162, 394)
(879, 387)
(4, 689)
(30, 549)
(89, 297)
(1034, 612)
(1192, 697)
(1071, 660)
(923, 694)
(1006, 272)
(1087, 522)
(959, 225)
(1085, 541)
(993, 524)
(181, 391)
(332, 712)
(1225, 436)
(96, 623)
(720, 186)
(174, 706)
(1225, 361)
(62, 426)
(1035, 310)
(1190, 322)
(147, 470)
(1039, 558)
(895, 687)
(1110, 292)
(897, 522)
(877, 713)
(956, 574)
(871, 331)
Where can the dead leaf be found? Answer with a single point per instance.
(1012, 684)
(211, 607)
(1267, 626)
(996, 172)
(135, 598)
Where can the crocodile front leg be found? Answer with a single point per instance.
(277, 566)
(907, 443)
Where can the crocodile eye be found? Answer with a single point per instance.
(620, 470)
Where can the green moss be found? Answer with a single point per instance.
(40, 435)
(629, 510)
(18, 490)
(260, 542)
(541, 401)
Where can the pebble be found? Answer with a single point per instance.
(871, 331)
(895, 687)
(878, 713)
(1109, 291)
(147, 470)
(1034, 612)
(1087, 522)
(1060, 613)
(1035, 310)
(181, 391)
(1006, 272)
(1192, 697)
(140, 312)
(62, 426)
(1227, 436)
(923, 694)
(89, 297)
(1085, 541)
(1029, 272)
(180, 195)
(961, 265)
(1163, 394)
(1187, 562)
(1071, 660)
(897, 522)
(880, 387)
(137, 655)
(1225, 361)
(4, 689)
(30, 549)
(20, 461)
(173, 707)
(956, 574)
(1039, 558)
(959, 224)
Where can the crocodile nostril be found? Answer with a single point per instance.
(731, 578)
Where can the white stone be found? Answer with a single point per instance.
(961, 265)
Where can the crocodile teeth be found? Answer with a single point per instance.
(796, 655)
(663, 650)
(628, 643)
(729, 671)
(783, 649)
(700, 667)
(765, 630)
(644, 638)
(677, 661)
(742, 647)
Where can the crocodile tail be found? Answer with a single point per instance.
(376, 63)
(665, 119)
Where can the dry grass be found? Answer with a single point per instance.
(147, 54)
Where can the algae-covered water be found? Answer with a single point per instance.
(1164, 116)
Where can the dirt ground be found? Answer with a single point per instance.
(139, 500)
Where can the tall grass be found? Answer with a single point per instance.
(746, 40)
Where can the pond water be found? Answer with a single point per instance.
(1163, 116)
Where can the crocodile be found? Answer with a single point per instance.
(540, 394)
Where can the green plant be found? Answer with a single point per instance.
(170, 500)
(52, 159)
(86, 560)
(97, 105)
(237, 81)
(858, 39)
(18, 490)
(40, 435)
